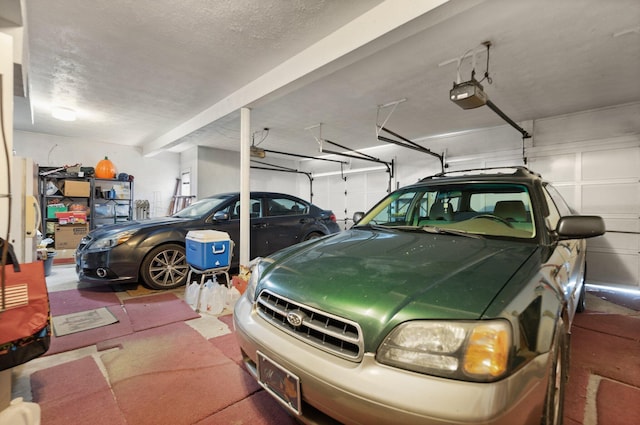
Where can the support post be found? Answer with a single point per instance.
(245, 187)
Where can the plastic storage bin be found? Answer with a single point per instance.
(208, 249)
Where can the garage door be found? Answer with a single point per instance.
(354, 192)
(603, 182)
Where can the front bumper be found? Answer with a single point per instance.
(371, 393)
(118, 268)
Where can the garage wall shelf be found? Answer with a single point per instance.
(103, 201)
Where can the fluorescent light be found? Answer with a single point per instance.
(63, 114)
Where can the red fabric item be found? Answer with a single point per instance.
(26, 300)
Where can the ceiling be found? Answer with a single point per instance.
(166, 76)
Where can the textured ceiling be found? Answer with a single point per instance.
(167, 75)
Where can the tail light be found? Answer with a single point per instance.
(332, 217)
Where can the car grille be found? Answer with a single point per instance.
(327, 332)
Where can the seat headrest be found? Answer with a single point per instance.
(441, 211)
(511, 210)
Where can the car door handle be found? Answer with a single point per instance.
(305, 220)
(259, 225)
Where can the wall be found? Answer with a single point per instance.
(154, 178)
(6, 97)
(218, 171)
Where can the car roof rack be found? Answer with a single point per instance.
(516, 171)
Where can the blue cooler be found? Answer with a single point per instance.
(208, 249)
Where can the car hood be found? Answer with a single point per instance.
(136, 225)
(382, 278)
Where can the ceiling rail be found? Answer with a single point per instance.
(406, 143)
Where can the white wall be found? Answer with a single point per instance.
(154, 178)
(218, 171)
(6, 97)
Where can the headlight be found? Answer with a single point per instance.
(476, 351)
(112, 240)
(257, 268)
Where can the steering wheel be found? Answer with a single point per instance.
(494, 218)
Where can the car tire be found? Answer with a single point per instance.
(558, 375)
(313, 235)
(165, 267)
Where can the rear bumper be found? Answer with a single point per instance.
(371, 393)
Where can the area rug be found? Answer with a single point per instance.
(82, 321)
(75, 393)
(187, 378)
(229, 347)
(258, 409)
(75, 300)
(92, 336)
(600, 344)
(157, 310)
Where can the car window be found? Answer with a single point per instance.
(494, 209)
(255, 211)
(554, 213)
(286, 206)
(559, 201)
(201, 207)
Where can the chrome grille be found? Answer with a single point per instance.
(327, 332)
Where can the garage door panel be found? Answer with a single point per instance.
(557, 168)
(612, 268)
(612, 241)
(631, 225)
(611, 164)
(619, 198)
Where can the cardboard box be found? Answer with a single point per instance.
(208, 249)
(76, 188)
(68, 236)
(71, 217)
(52, 209)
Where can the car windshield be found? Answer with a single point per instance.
(202, 207)
(493, 209)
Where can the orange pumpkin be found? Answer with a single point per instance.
(105, 169)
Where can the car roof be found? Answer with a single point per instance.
(255, 194)
(512, 174)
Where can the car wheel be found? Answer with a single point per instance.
(554, 401)
(165, 267)
(314, 235)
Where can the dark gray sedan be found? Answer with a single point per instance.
(153, 251)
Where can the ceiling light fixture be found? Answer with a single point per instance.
(63, 114)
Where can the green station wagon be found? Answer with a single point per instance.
(449, 302)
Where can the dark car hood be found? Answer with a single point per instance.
(137, 225)
(381, 278)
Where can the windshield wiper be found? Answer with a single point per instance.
(445, 231)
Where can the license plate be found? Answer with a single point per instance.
(281, 383)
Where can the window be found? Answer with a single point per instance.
(493, 209)
(255, 211)
(286, 206)
(557, 206)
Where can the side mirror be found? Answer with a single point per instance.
(357, 216)
(221, 216)
(580, 226)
